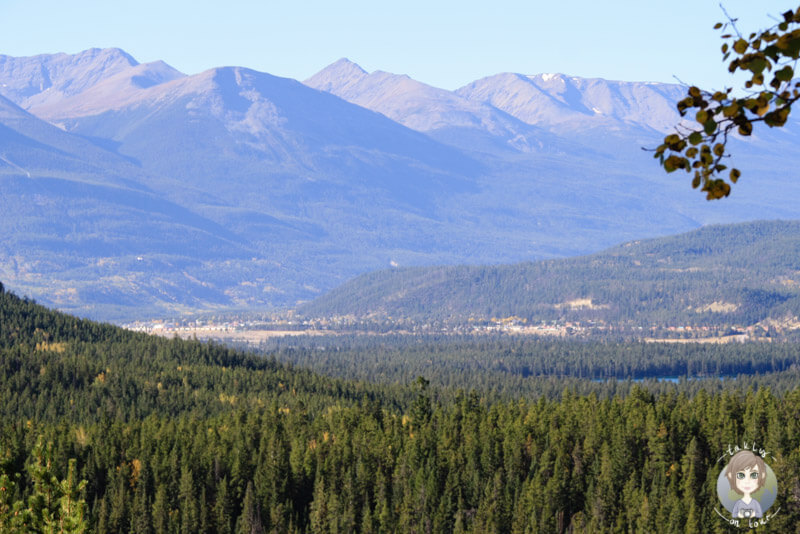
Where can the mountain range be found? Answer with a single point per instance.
(130, 190)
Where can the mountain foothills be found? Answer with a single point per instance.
(131, 190)
(745, 274)
(106, 430)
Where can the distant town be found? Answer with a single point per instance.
(253, 331)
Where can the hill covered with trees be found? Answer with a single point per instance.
(507, 367)
(129, 433)
(741, 274)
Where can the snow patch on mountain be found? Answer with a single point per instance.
(566, 103)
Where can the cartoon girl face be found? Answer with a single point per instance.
(747, 473)
(747, 481)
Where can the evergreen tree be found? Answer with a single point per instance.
(14, 517)
(222, 512)
(250, 520)
(141, 508)
(72, 507)
(187, 502)
(161, 511)
(55, 506)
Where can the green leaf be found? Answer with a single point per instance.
(710, 126)
(777, 117)
(695, 138)
(701, 116)
(735, 174)
(785, 74)
(740, 46)
(756, 65)
(730, 111)
(673, 163)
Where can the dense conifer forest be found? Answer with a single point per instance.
(505, 367)
(104, 430)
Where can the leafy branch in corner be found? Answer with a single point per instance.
(770, 58)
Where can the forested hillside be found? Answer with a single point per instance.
(737, 274)
(180, 436)
(506, 367)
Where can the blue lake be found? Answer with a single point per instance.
(672, 379)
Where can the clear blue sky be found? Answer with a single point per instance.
(443, 43)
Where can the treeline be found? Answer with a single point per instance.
(580, 464)
(174, 436)
(748, 268)
(507, 367)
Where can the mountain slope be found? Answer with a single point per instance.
(82, 229)
(301, 186)
(566, 103)
(112, 92)
(584, 155)
(235, 114)
(736, 274)
(277, 149)
(273, 192)
(48, 78)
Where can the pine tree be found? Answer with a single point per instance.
(222, 508)
(55, 506)
(102, 517)
(161, 511)
(140, 512)
(118, 518)
(319, 516)
(250, 520)
(14, 516)
(188, 503)
(205, 521)
(367, 526)
(72, 507)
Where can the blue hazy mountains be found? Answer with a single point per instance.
(132, 190)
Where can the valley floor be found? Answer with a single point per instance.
(254, 334)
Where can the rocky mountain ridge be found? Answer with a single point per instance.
(134, 189)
